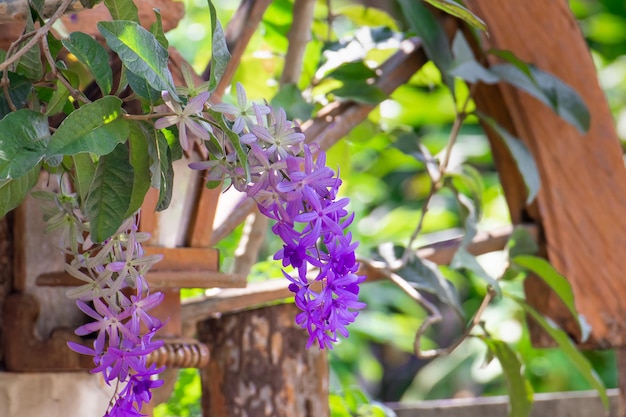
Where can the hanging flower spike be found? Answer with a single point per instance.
(122, 345)
(292, 185)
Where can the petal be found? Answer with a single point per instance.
(173, 105)
(166, 121)
(242, 99)
(225, 108)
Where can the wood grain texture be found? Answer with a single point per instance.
(259, 366)
(582, 200)
(6, 268)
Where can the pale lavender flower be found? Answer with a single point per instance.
(242, 112)
(184, 118)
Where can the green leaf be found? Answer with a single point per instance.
(88, 4)
(468, 213)
(548, 89)
(157, 29)
(522, 156)
(422, 274)
(557, 282)
(434, 38)
(511, 58)
(140, 52)
(352, 71)
(568, 348)
(96, 127)
(139, 159)
(473, 72)
(142, 88)
(425, 275)
(468, 179)
(520, 390)
(91, 54)
(360, 92)
(465, 65)
(58, 99)
(367, 16)
(84, 171)
(55, 45)
(566, 102)
(221, 56)
(521, 242)
(36, 8)
(22, 143)
(20, 88)
(30, 64)
(161, 170)
(464, 260)
(13, 191)
(167, 173)
(234, 139)
(110, 194)
(455, 9)
(122, 10)
(289, 97)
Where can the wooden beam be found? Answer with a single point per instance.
(235, 299)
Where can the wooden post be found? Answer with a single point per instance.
(259, 366)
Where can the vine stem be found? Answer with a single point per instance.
(433, 319)
(434, 315)
(78, 95)
(148, 116)
(437, 180)
(36, 35)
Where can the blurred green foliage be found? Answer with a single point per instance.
(387, 188)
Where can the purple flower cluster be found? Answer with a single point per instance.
(312, 223)
(292, 185)
(124, 329)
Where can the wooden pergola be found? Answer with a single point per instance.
(238, 341)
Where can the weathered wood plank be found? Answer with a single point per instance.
(259, 366)
(583, 195)
(559, 404)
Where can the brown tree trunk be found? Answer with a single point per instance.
(581, 204)
(260, 367)
(6, 269)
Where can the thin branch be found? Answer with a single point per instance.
(434, 187)
(431, 320)
(148, 116)
(250, 243)
(461, 114)
(37, 34)
(299, 35)
(78, 95)
(437, 179)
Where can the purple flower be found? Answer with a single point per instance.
(242, 112)
(282, 140)
(183, 118)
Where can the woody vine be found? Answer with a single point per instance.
(105, 158)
